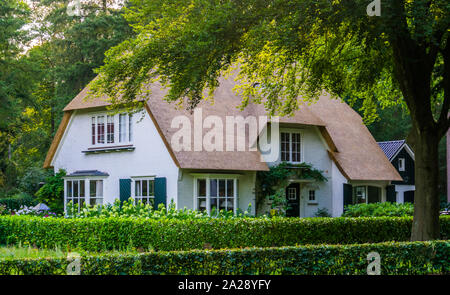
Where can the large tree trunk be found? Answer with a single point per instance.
(426, 198)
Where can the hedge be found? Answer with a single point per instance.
(14, 203)
(94, 234)
(395, 258)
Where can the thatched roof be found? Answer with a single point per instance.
(351, 145)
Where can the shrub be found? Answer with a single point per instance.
(379, 209)
(94, 234)
(52, 192)
(140, 210)
(18, 200)
(396, 258)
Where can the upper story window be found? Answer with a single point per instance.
(401, 164)
(291, 147)
(104, 131)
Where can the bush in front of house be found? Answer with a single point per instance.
(134, 209)
(52, 192)
(379, 209)
(395, 258)
(95, 234)
(17, 201)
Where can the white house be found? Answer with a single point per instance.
(401, 156)
(116, 155)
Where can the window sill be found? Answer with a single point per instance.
(109, 149)
(313, 203)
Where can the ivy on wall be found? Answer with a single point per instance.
(271, 185)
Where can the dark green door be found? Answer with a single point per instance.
(293, 200)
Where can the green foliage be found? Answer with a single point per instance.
(18, 200)
(272, 184)
(396, 258)
(322, 212)
(29, 183)
(140, 210)
(52, 192)
(170, 234)
(379, 209)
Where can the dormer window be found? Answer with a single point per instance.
(291, 147)
(401, 164)
(104, 131)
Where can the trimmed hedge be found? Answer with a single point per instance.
(396, 258)
(14, 203)
(94, 234)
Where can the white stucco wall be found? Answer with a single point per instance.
(337, 182)
(150, 157)
(314, 150)
(400, 189)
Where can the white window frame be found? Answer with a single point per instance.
(401, 164)
(208, 178)
(140, 179)
(292, 193)
(312, 193)
(117, 140)
(87, 192)
(290, 132)
(366, 191)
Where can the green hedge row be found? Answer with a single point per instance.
(94, 234)
(14, 203)
(395, 258)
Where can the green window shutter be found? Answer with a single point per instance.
(160, 192)
(125, 189)
(390, 193)
(348, 194)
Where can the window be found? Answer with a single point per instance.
(144, 190)
(95, 192)
(292, 193)
(312, 195)
(101, 129)
(104, 131)
(122, 127)
(216, 194)
(76, 192)
(366, 194)
(110, 129)
(401, 164)
(290, 147)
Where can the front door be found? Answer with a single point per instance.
(293, 200)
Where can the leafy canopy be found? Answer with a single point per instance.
(281, 49)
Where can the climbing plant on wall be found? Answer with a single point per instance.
(271, 184)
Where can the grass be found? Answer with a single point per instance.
(29, 252)
(20, 251)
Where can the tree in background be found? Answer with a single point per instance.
(59, 63)
(289, 48)
(14, 90)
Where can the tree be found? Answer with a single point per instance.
(301, 47)
(14, 90)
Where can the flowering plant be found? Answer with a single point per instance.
(24, 210)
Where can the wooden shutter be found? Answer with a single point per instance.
(348, 194)
(125, 189)
(160, 192)
(390, 194)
